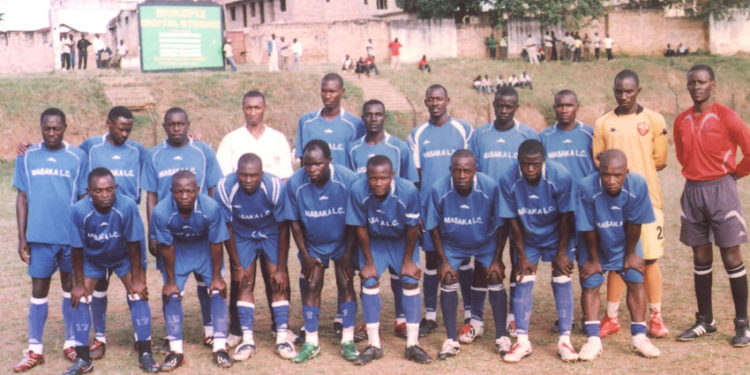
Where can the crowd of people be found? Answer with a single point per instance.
(679, 51)
(105, 58)
(283, 54)
(485, 85)
(570, 47)
(365, 201)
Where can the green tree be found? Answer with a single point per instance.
(427, 9)
(720, 9)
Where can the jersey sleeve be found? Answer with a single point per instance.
(133, 224)
(413, 208)
(564, 196)
(433, 210)
(80, 233)
(661, 141)
(585, 216)
(507, 206)
(299, 145)
(360, 128)
(408, 167)
(639, 209)
(740, 134)
(496, 201)
(414, 147)
(149, 180)
(278, 201)
(356, 212)
(83, 174)
(20, 176)
(677, 136)
(222, 198)
(213, 170)
(289, 210)
(159, 228)
(217, 229)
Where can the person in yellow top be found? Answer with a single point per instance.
(642, 135)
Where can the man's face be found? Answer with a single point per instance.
(374, 118)
(176, 127)
(316, 166)
(700, 85)
(566, 107)
(613, 177)
(437, 103)
(380, 177)
(463, 170)
(120, 129)
(250, 176)
(184, 192)
(53, 131)
(626, 93)
(505, 108)
(331, 93)
(531, 167)
(102, 191)
(254, 108)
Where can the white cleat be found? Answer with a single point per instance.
(566, 351)
(243, 352)
(469, 335)
(643, 346)
(450, 349)
(591, 349)
(502, 345)
(233, 340)
(285, 350)
(518, 352)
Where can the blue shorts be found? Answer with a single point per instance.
(326, 257)
(389, 253)
(181, 277)
(48, 258)
(484, 255)
(102, 270)
(630, 276)
(611, 262)
(250, 249)
(546, 254)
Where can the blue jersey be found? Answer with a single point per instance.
(253, 216)
(468, 222)
(395, 149)
(386, 219)
(571, 148)
(338, 132)
(190, 236)
(497, 150)
(320, 210)
(103, 236)
(432, 147)
(538, 208)
(163, 161)
(52, 181)
(599, 211)
(124, 161)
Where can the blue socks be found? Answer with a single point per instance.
(562, 288)
(478, 296)
(140, 314)
(220, 318)
(397, 292)
(638, 328)
(370, 302)
(205, 301)
(82, 323)
(38, 310)
(498, 301)
(246, 313)
(592, 328)
(449, 304)
(349, 312)
(99, 313)
(465, 277)
(173, 318)
(522, 303)
(430, 285)
(67, 310)
(281, 314)
(412, 305)
(311, 314)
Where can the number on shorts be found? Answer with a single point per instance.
(659, 233)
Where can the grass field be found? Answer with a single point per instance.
(212, 99)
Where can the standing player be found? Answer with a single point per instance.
(315, 203)
(48, 178)
(190, 229)
(536, 197)
(109, 236)
(710, 203)
(642, 135)
(378, 142)
(251, 202)
(331, 124)
(614, 204)
(178, 152)
(495, 146)
(384, 211)
(432, 145)
(463, 220)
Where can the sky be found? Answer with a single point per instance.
(24, 15)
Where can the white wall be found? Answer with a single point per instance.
(729, 37)
(434, 38)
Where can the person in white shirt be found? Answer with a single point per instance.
(608, 41)
(597, 45)
(531, 49)
(256, 137)
(524, 80)
(272, 48)
(296, 54)
(99, 48)
(229, 54)
(370, 48)
(122, 49)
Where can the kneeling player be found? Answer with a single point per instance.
(190, 229)
(108, 237)
(385, 211)
(251, 201)
(536, 196)
(462, 217)
(613, 205)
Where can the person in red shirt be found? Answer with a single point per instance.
(395, 48)
(423, 64)
(706, 137)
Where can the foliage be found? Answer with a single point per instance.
(719, 9)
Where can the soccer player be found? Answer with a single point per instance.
(315, 203)
(48, 178)
(190, 229)
(642, 135)
(463, 220)
(536, 198)
(179, 152)
(432, 144)
(251, 202)
(384, 210)
(109, 236)
(706, 137)
(495, 146)
(613, 205)
(378, 142)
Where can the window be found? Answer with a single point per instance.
(252, 9)
(382, 4)
(283, 5)
(365, 2)
(244, 15)
(233, 13)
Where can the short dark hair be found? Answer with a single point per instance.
(99, 172)
(704, 68)
(53, 112)
(506, 91)
(253, 94)
(436, 86)
(119, 111)
(464, 153)
(379, 160)
(333, 77)
(566, 92)
(531, 147)
(184, 173)
(249, 158)
(627, 73)
(372, 102)
(173, 111)
(317, 144)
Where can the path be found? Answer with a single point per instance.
(375, 87)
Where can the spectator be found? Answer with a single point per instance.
(229, 54)
(83, 56)
(597, 45)
(72, 52)
(296, 49)
(116, 62)
(486, 84)
(499, 82)
(423, 64)
(512, 81)
(503, 44)
(362, 67)
(370, 63)
(66, 46)
(272, 48)
(577, 47)
(477, 83)
(531, 49)
(99, 48)
(548, 45)
(553, 53)
(525, 81)
(370, 48)
(285, 52)
(608, 42)
(395, 48)
(669, 52)
(347, 65)
(682, 50)
(491, 45)
(586, 47)
(566, 46)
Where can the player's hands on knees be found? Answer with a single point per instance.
(308, 266)
(138, 286)
(218, 284)
(24, 252)
(238, 273)
(368, 271)
(498, 268)
(563, 264)
(76, 293)
(347, 268)
(523, 267)
(153, 247)
(446, 272)
(635, 262)
(408, 268)
(170, 289)
(590, 268)
(280, 279)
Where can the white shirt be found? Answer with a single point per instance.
(99, 45)
(272, 147)
(297, 48)
(596, 40)
(530, 42)
(122, 50)
(228, 50)
(608, 42)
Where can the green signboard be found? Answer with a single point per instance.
(179, 37)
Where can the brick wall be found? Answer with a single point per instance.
(470, 39)
(27, 52)
(648, 32)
